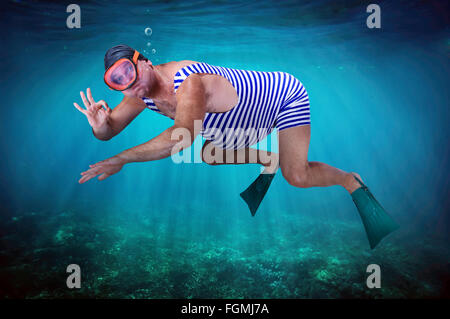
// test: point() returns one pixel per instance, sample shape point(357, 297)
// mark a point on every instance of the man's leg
point(254, 194)
point(299, 172)
point(242, 156)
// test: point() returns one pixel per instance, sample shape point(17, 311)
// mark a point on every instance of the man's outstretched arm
point(191, 106)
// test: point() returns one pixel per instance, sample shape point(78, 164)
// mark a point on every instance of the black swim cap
point(118, 52)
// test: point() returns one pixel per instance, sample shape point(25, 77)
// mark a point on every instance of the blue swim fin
point(377, 222)
point(255, 193)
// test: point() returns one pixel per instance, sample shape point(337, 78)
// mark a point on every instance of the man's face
point(144, 80)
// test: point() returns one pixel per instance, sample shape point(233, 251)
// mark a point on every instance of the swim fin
point(255, 193)
point(377, 222)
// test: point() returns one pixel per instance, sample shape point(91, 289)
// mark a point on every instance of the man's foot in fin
point(352, 183)
point(377, 222)
point(255, 193)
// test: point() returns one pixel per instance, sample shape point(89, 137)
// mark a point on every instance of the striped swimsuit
point(266, 100)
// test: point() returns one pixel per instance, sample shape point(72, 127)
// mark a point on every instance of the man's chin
point(140, 94)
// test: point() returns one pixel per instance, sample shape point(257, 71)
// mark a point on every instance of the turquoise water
point(379, 107)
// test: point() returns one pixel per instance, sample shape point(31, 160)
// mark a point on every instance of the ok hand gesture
point(97, 115)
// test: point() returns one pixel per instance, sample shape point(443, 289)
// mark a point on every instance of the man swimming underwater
point(237, 109)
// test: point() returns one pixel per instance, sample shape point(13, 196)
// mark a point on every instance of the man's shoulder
point(176, 65)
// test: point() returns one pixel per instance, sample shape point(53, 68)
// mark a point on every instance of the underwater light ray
point(159, 231)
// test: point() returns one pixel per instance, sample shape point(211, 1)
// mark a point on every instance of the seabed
point(133, 256)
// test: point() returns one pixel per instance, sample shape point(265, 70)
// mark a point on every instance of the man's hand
point(107, 168)
point(97, 115)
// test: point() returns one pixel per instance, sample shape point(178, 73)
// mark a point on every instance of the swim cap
point(118, 52)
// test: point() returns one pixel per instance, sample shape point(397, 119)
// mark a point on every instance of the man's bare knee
point(206, 160)
point(296, 176)
point(206, 157)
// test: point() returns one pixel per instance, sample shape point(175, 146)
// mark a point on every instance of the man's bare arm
point(191, 106)
point(119, 118)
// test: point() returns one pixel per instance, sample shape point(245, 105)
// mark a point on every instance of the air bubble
point(148, 32)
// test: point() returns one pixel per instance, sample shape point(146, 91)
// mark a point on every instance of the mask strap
point(135, 56)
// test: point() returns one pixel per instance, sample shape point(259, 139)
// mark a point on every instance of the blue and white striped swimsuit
point(266, 100)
